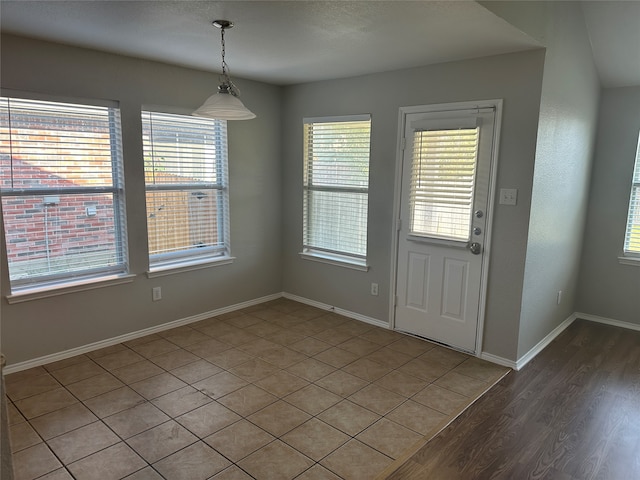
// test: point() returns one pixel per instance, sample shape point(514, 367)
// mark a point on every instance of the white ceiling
point(286, 42)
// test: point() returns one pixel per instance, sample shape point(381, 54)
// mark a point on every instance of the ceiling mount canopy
point(225, 104)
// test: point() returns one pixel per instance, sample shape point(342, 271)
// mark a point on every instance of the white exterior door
point(446, 176)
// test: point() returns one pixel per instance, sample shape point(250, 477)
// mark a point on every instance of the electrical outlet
point(559, 299)
point(374, 289)
point(156, 293)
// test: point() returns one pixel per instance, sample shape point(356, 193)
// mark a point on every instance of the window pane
point(340, 154)
point(61, 184)
point(442, 181)
point(337, 222)
point(632, 236)
point(56, 145)
point(183, 149)
point(336, 181)
point(60, 235)
point(186, 178)
point(182, 218)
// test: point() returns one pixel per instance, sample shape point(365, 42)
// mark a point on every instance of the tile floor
point(280, 390)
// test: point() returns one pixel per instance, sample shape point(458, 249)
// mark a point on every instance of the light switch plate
point(508, 196)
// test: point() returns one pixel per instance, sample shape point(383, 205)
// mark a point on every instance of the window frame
point(314, 252)
point(194, 258)
point(632, 256)
point(40, 286)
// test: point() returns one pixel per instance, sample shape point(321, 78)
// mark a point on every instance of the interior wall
point(564, 152)
point(40, 327)
point(517, 79)
point(608, 288)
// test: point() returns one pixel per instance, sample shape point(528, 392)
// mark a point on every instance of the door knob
point(475, 248)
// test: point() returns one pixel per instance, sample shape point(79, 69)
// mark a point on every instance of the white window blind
point(442, 183)
point(336, 186)
point(62, 191)
point(632, 235)
point(185, 161)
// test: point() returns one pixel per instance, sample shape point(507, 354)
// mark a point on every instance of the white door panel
point(418, 281)
point(454, 289)
point(444, 198)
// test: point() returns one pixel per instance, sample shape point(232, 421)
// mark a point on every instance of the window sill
point(634, 261)
point(336, 260)
point(187, 266)
point(36, 293)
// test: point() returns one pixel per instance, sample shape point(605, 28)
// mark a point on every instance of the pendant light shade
point(225, 104)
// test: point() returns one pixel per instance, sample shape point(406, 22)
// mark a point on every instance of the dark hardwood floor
point(572, 413)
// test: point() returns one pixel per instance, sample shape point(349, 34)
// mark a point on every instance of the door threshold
point(441, 344)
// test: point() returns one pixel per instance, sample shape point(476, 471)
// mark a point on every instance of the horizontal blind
point(62, 187)
point(442, 183)
point(186, 174)
point(336, 182)
point(68, 145)
point(632, 235)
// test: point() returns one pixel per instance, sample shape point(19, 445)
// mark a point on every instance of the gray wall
point(568, 117)
point(46, 326)
point(566, 135)
point(516, 78)
point(608, 288)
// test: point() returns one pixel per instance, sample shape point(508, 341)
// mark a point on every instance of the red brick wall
point(68, 227)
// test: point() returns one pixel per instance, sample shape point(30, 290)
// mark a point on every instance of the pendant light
point(225, 104)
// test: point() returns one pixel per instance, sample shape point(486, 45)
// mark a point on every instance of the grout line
point(354, 333)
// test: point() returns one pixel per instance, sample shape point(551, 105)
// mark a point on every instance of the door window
point(442, 183)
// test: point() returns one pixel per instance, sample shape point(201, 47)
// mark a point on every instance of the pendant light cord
point(224, 51)
point(226, 79)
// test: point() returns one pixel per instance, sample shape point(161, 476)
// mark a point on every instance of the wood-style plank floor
point(572, 413)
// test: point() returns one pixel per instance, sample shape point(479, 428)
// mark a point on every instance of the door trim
point(447, 108)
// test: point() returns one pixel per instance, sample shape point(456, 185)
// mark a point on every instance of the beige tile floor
point(276, 391)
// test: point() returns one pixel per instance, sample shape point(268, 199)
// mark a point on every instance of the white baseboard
point(36, 362)
point(498, 360)
point(522, 361)
point(530, 355)
point(339, 311)
point(607, 321)
point(527, 357)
